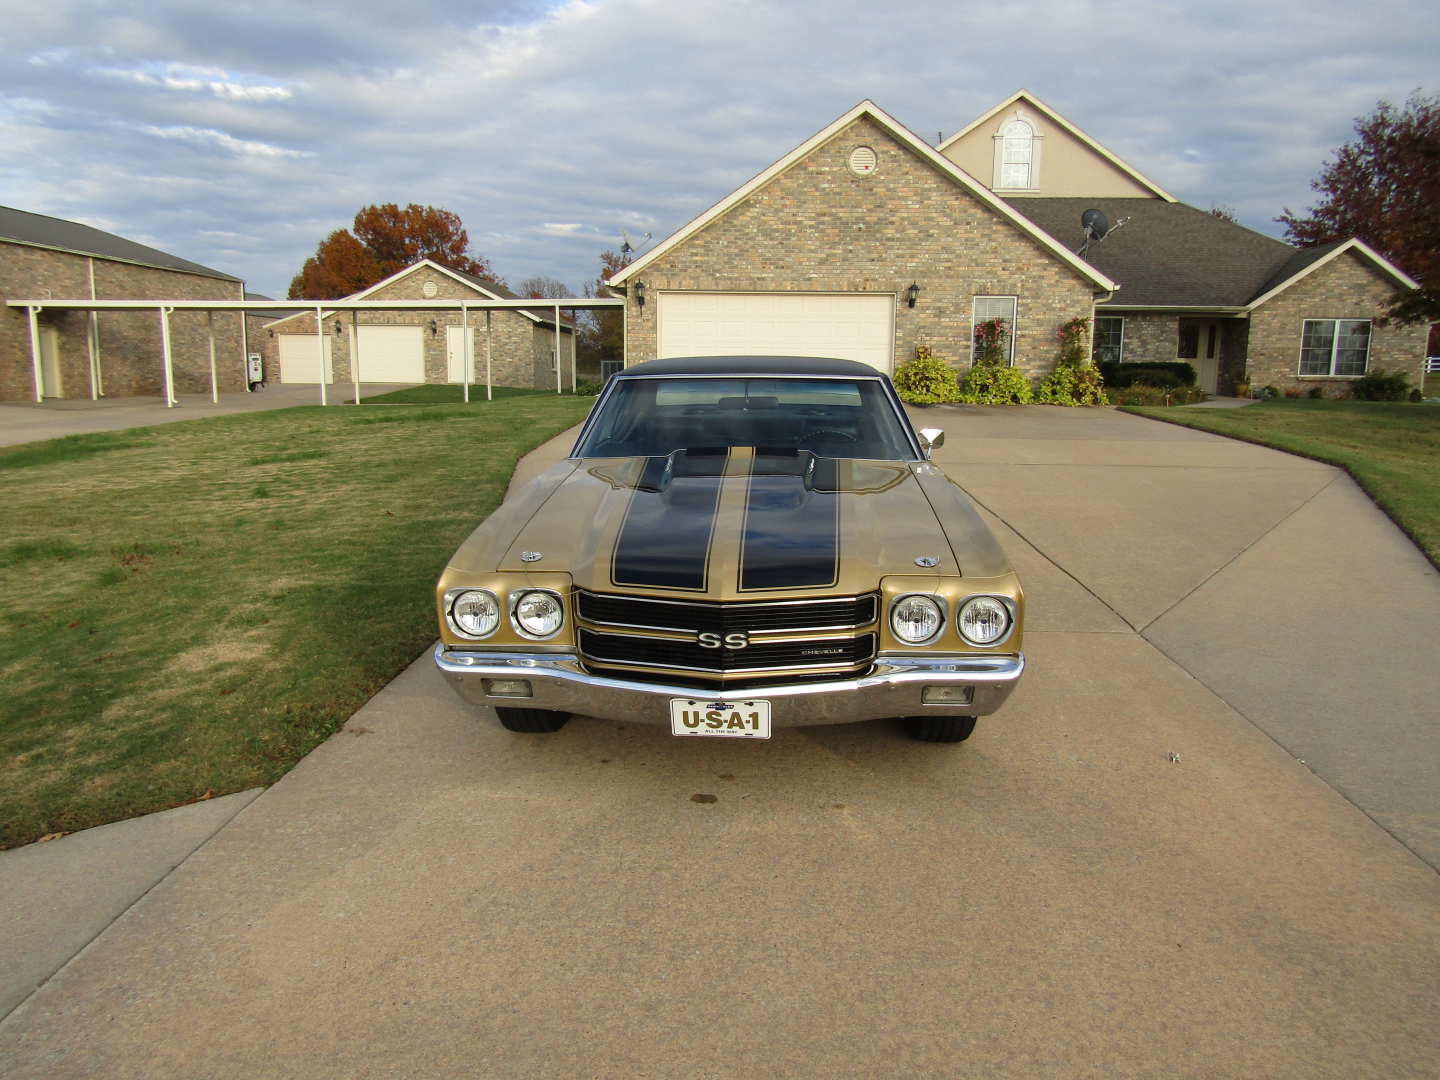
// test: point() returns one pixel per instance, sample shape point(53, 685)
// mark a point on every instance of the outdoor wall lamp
point(640, 293)
point(912, 294)
point(434, 327)
point(338, 328)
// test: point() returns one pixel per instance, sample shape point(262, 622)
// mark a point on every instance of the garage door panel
point(851, 326)
point(392, 354)
point(300, 358)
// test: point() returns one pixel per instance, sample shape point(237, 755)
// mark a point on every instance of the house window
point(1001, 308)
point(1335, 347)
point(1109, 339)
point(1017, 156)
point(1188, 347)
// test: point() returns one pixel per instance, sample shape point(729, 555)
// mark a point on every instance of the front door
point(1199, 345)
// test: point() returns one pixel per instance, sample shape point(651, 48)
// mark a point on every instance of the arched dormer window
point(1017, 156)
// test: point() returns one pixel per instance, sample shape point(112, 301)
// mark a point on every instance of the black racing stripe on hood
point(792, 522)
point(664, 541)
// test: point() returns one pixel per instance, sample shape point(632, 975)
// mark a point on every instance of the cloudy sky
point(239, 135)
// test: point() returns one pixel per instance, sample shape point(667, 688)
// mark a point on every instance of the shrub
point(587, 388)
point(991, 384)
point(1072, 386)
point(926, 380)
point(1315, 393)
point(1416, 395)
point(1140, 394)
point(1072, 336)
point(1125, 374)
point(1381, 385)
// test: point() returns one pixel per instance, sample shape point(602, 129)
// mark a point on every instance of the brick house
point(865, 242)
point(114, 353)
point(416, 346)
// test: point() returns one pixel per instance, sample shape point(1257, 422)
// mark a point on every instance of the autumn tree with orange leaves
point(383, 240)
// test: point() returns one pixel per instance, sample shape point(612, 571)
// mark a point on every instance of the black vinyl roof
point(814, 366)
point(1170, 254)
point(51, 232)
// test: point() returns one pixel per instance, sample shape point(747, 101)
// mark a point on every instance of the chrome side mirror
point(931, 438)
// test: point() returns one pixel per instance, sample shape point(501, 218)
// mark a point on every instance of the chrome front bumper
point(893, 688)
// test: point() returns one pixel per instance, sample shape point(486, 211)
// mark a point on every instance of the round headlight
point(916, 619)
point(984, 620)
point(475, 612)
point(538, 614)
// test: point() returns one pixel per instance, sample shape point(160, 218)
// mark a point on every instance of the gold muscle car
point(737, 544)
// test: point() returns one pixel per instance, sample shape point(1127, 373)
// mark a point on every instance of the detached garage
point(846, 326)
point(514, 347)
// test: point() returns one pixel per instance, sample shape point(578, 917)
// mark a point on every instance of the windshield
point(829, 417)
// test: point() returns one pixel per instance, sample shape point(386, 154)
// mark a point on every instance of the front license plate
point(725, 719)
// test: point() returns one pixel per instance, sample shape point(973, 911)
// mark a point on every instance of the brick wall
point(1349, 287)
point(516, 343)
point(129, 341)
point(818, 227)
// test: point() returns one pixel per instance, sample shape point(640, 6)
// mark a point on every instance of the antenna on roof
point(629, 245)
point(1097, 227)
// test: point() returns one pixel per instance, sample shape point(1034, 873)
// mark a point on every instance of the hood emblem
point(922, 560)
point(531, 556)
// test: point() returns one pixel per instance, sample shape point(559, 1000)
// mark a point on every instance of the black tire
point(939, 728)
point(531, 721)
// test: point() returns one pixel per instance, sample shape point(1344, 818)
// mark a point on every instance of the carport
point(165, 308)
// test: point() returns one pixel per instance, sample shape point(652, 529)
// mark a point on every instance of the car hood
point(735, 524)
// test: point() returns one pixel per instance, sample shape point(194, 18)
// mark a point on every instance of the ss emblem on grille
point(738, 640)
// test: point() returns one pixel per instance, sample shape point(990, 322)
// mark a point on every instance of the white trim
point(1353, 244)
point(1050, 114)
point(905, 137)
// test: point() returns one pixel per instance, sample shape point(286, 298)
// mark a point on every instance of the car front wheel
point(531, 721)
point(939, 728)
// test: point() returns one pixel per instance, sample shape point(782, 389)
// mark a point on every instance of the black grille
point(624, 649)
point(717, 618)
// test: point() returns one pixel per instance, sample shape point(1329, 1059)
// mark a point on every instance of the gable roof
point(906, 138)
point(1168, 254)
point(1307, 260)
point(57, 234)
point(492, 289)
point(1059, 121)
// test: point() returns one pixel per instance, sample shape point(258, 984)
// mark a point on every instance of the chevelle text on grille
point(737, 544)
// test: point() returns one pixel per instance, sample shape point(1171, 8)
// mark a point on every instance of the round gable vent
point(863, 161)
point(429, 289)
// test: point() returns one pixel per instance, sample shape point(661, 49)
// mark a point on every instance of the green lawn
point(1392, 450)
point(190, 608)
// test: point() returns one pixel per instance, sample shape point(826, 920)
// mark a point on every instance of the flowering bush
point(1072, 336)
point(926, 380)
point(1072, 386)
point(991, 384)
point(990, 342)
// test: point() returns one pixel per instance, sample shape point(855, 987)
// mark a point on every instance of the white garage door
point(392, 354)
point(850, 326)
point(300, 358)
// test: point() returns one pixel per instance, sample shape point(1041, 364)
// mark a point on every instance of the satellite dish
point(629, 244)
point(1095, 224)
point(1097, 227)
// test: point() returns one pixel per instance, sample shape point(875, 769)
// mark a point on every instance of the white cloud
point(211, 138)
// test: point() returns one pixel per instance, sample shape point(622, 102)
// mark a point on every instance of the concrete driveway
point(1128, 872)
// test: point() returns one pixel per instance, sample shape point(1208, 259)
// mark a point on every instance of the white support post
point(35, 353)
point(170, 401)
point(214, 376)
point(92, 347)
point(99, 356)
point(489, 382)
point(559, 378)
point(355, 352)
point(466, 359)
point(574, 371)
point(320, 344)
point(625, 334)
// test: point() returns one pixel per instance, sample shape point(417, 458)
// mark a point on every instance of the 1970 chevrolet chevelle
point(736, 544)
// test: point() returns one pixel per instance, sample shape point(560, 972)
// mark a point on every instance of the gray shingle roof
point(27, 228)
point(1170, 254)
